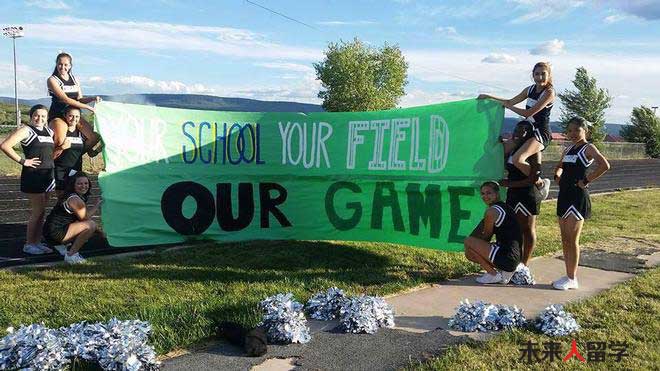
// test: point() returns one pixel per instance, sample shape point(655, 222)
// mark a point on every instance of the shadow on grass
point(264, 261)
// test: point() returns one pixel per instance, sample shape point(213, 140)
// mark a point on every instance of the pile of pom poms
point(555, 321)
point(284, 318)
point(114, 345)
point(482, 316)
point(522, 276)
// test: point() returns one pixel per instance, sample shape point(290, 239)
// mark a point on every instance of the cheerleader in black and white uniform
point(64, 89)
point(573, 203)
point(68, 157)
point(36, 139)
point(523, 198)
point(70, 220)
point(540, 99)
point(500, 258)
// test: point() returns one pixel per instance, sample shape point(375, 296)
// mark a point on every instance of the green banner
point(406, 176)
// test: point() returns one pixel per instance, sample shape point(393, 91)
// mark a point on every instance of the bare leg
point(91, 136)
point(36, 220)
point(571, 229)
point(530, 147)
point(528, 229)
point(79, 232)
point(477, 251)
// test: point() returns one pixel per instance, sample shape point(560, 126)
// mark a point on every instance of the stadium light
point(654, 108)
point(14, 32)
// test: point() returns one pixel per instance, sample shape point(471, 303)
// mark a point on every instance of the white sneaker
point(506, 276)
point(544, 191)
point(61, 249)
point(74, 259)
point(44, 248)
point(565, 283)
point(520, 266)
point(32, 249)
point(490, 278)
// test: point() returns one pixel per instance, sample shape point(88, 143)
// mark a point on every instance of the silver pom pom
point(116, 345)
point(33, 347)
point(325, 305)
point(554, 321)
point(284, 319)
point(523, 276)
point(365, 314)
point(482, 316)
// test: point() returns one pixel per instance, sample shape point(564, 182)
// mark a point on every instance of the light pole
point(15, 32)
point(654, 108)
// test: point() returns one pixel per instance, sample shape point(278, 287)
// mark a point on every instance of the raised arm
point(547, 97)
point(515, 100)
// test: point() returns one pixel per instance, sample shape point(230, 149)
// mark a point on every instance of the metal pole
point(18, 112)
point(654, 108)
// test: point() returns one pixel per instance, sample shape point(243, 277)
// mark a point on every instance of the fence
point(611, 150)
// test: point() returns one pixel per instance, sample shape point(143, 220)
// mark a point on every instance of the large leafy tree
point(356, 77)
point(588, 101)
point(644, 128)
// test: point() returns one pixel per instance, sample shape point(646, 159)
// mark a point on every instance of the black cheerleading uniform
point(573, 200)
point(58, 221)
point(70, 161)
point(505, 252)
point(39, 143)
point(70, 87)
point(540, 120)
point(523, 200)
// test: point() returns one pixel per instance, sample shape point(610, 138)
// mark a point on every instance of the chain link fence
point(611, 150)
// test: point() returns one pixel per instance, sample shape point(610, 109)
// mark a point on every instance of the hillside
point(208, 102)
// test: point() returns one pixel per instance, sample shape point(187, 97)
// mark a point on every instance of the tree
point(588, 101)
point(644, 128)
point(360, 78)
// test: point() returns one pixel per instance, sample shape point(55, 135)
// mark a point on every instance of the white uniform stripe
point(572, 211)
point(520, 208)
point(500, 218)
point(494, 248)
point(51, 186)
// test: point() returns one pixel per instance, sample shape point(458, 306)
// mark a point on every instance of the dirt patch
point(621, 254)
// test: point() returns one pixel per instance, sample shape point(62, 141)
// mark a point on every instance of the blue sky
point(455, 49)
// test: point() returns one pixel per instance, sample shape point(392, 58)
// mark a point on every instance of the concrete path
point(421, 325)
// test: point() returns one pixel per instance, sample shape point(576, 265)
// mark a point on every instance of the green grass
point(184, 292)
point(628, 312)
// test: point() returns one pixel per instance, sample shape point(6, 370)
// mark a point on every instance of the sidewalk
point(421, 328)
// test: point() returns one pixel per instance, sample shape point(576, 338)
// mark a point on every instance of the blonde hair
point(547, 66)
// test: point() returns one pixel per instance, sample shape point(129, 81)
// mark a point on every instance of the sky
point(236, 48)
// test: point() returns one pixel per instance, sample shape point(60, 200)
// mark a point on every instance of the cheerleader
point(68, 157)
point(37, 180)
point(540, 99)
point(70, 220)
point(573, 203)
point(500, 258)
point(64, 89)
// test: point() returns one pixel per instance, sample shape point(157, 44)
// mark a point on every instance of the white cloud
point(535, 10)
point(225, 41)
point(148, 85)
point(614, 18)
point(447, 31)
point(552, 47)
point(346, 23)
point(499, 58)
point(48, 4)
point(297, 67)
point(646, 9)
